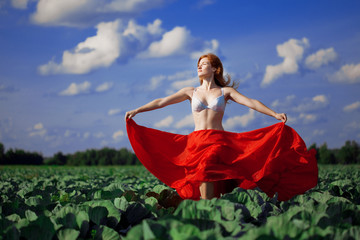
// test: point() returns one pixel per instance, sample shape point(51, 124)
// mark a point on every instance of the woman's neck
point(208, 83)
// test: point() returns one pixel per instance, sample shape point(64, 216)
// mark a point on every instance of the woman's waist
point(209, 126)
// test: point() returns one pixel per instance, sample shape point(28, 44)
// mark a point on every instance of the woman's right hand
point(130, 114)
point(281, 116)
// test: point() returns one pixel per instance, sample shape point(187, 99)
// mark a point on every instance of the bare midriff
point(208, 119)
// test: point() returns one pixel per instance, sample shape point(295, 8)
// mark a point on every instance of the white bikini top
point(217, 104)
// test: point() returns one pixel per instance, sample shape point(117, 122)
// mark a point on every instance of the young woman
point(211, 161)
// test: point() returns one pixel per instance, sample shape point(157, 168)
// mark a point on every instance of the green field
point(129, 203)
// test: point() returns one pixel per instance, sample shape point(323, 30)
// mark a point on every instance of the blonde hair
point(219, 78)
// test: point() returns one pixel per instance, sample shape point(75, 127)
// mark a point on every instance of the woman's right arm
point(255, 104)
point(180, 96)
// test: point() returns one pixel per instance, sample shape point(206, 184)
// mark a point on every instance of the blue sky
point(69, 70)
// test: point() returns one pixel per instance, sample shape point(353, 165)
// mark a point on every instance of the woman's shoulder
point(187, 89)
point(228, 89)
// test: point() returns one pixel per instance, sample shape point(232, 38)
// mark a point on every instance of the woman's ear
point(213, 69)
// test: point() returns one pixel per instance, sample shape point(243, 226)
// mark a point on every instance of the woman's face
point(204, 68)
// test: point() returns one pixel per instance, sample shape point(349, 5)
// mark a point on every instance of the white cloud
point(166, 122)
point(187, 121)
point(132, 5)
point(98, 51)
point(243, 120)
point(292, 51)
point(210, 47)
point(118, 135)
point(6, 128)
point(86, 135)
point(292, 104)
point(180, 75)
point(104, 143)
point(114, 41)
point(275, 103)
point(104, 87)
point(53, 12)
point(68, 133)
point(203, 3)
point(40, 133)
point(177, 85)
point(174, 42)
point(71, 133)
point(139, 37)
point(243, 78)
point(179, 41)
point(88, 12)
point(38, 130)
point(76, 89)
point(84, 88)
point(99, 135)
point(174, 82)
point(283, 103)
point(38, 126)
point(349, 73)
point(291, 119)
point(320, 58)
point(156, 81)
point(308, 118)
point(318, 132)
point(320, 99)
point(352, 107)
point(353, 126)
point(113, 112)
point(317, 102)
point(20, 4)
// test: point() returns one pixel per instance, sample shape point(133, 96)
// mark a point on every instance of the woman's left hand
point(130, 114)
point(281, 116)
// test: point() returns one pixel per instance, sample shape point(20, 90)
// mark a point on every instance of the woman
point(206, 161)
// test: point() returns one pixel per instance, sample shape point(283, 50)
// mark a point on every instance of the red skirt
point(273, 158)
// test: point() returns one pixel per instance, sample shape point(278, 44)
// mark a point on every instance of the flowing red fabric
point(273, 158)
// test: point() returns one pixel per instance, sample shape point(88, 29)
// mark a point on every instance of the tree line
point(347, 154)
point(90, 157)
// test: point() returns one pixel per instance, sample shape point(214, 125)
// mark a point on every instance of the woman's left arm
point(254, 104)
